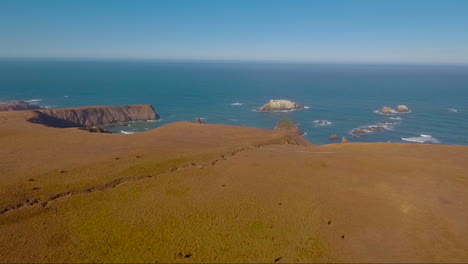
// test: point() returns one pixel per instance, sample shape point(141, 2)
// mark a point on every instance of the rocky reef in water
point(365, 130)
point(89, 116)
point(18, 106)
point(280, 105)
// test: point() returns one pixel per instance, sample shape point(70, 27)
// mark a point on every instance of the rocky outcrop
point(344, 140)
point(280, 105)
point(333, 137)
point(18, 106)
point(402, 109)
point(285, 125)
point(365, 130)
point(199, 121)
point(386, 110)
point(89, 116)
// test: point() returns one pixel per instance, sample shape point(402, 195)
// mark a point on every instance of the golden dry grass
point(214, 193)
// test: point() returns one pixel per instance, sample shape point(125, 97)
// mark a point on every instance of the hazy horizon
point(343, 32)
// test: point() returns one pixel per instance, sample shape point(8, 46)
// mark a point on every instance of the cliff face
point(93, 115)
point(18, 107)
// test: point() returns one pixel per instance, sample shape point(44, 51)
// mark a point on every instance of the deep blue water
point(346, 95)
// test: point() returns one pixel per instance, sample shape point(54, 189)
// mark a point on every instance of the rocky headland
point(285, 125)
point(280, 105)
point(18, 106)
point(89, 116)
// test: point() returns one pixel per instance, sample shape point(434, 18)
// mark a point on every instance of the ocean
point(345, 95)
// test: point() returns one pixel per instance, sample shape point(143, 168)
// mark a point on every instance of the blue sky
point(410, 31)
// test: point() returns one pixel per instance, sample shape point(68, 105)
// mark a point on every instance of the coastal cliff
point(18, 106)
point(89, 116)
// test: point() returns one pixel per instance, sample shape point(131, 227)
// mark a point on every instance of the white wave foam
point(66, 96)
point(33, 101)
point(304, 134)
point(306, 107)
point(395, 118)
point(422, 139)
point(322, 122)
point(127, 132)
point(276, 111)
point(49, 106)
point(452, 110)
point(237, 104)
point(152, 121)
point(202, 118)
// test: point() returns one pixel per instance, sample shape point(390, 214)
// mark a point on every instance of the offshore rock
point(280, 105)
point(402, 109)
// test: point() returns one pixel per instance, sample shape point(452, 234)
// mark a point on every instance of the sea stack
point(89, 116)
point(280, 105)
point(344, 140)
point(402, 109)
point(333, 137)
point(285, 125)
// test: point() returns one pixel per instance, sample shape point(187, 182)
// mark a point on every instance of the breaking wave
point(322, 122)
point(33, 101)
point(422, 139)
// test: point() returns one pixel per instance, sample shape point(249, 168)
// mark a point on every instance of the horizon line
point(230, 60)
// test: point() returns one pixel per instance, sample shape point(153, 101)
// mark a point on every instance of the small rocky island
point(388, 110)
point(280, 105)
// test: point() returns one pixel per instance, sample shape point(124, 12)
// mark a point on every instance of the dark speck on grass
point(278, 259)
point(329, 222)
point(342, 237)
point(31, 180)
point(188, 255)
point(117, 158)
point(36, 188)
point(63, 171)
point(138, 156)
point(223, 185)
point(280, 203)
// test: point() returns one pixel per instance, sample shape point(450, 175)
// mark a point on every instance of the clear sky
point(389, 31)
